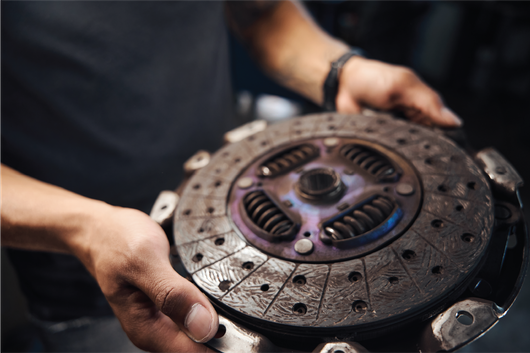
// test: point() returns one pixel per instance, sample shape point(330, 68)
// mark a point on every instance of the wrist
point(114, 235)
point(333, 78)
point(351, 67)
point(93, 219)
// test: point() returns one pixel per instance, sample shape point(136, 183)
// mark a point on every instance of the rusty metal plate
point(435, 244)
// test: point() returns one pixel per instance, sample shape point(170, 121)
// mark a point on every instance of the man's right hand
point(125, 251)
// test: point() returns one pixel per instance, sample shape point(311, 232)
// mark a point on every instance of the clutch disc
point(335, 226)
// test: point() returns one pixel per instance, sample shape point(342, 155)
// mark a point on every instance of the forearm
point(293, 49)
point(40, 216)
point(125, 251)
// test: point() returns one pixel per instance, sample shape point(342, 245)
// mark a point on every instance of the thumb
point(181, 301)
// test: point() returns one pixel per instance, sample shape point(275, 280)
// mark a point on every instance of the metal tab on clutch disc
point(335, 225)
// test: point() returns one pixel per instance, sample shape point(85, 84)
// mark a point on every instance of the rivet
point(245, 183)
point(404, 189)
point(304, 246)
point(265, 171)
point(331, 142)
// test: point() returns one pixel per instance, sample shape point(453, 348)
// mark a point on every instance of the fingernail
point(451, 117)
point(199, 322)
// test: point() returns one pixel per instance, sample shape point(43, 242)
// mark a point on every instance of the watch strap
point(331, 84)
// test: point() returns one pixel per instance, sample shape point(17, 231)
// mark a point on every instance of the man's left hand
point(371, 83)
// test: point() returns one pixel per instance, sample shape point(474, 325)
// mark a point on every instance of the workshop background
point(476, 54)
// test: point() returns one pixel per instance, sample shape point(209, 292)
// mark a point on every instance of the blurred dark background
point(476, 54)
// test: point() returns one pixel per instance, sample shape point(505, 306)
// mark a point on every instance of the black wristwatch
point(331, 85)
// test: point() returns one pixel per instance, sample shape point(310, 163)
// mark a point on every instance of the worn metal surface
point(459, 324)
point(237, 339)
point(197, 161)
point(164, 207)
point(355, 186)
point(435, 247)
point(337, 347)
point(499, 170)
point(245, 131)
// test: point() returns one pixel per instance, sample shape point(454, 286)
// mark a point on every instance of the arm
point(125, 251)
point(297, 53)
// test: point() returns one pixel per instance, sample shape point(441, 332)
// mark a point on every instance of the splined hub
point(319, 184)
point(334, 225)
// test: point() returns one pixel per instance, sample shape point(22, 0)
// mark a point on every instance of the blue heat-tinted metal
point(384, 228)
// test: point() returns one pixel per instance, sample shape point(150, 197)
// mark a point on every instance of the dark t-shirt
point(107, 99)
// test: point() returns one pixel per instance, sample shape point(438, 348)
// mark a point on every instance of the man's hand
point(297, 53)
point(125, 251)
point(370, 83)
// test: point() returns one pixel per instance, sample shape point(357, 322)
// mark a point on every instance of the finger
point(346, 104)
point(450, 118)
point(423, 105)
point(149, 329)
point(180, 300)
